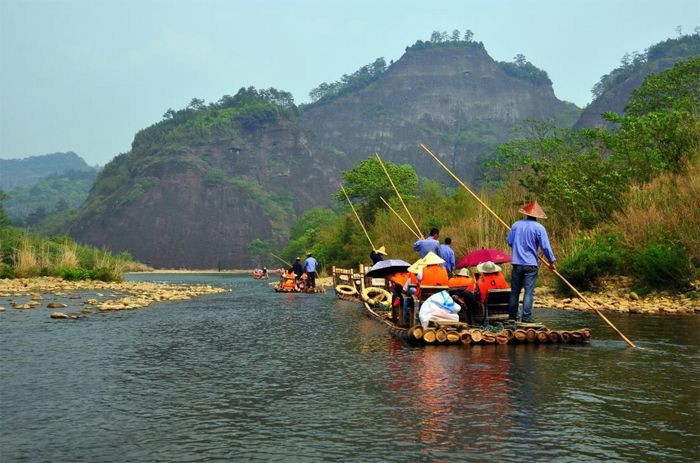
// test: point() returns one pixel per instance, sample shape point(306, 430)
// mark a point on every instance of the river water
point(252, 375)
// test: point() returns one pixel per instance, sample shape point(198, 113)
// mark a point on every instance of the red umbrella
point(482, 255)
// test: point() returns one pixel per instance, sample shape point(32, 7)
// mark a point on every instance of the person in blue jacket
point(429, 244)
point(310, 265)
point(526, 237)
point(446, 252)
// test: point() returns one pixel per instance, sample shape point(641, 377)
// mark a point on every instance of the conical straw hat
point(432, 259)
point(416, 266)
point(381, 251)
point(533, 210)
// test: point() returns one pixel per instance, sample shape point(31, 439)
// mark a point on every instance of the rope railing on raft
point(581, 296)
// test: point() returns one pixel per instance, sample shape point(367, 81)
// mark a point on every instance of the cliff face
point(456, 99)
point(200, 206)
point(197, 187)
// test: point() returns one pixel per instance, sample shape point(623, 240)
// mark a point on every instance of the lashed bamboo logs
point(451, 335)
point(416, 332)
point(429, 335)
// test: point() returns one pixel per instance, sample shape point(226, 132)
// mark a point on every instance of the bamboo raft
point(318, 290)
point(457, 333)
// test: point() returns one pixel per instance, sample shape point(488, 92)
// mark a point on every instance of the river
point(252, 375)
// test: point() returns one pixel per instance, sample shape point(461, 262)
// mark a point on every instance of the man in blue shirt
point(446, 252)
point(310, 265)
point(429, 244)
point(526, 237)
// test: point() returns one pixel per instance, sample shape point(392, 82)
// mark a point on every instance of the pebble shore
point(82, 298)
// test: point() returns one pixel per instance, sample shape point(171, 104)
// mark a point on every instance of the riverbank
point(77, 299)
point(617, 296)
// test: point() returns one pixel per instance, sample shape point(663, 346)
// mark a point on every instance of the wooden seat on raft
point(496, 305)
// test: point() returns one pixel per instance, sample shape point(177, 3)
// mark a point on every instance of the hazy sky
point(84, 76)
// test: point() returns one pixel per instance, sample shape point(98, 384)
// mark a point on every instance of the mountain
point(200, 185)
point(451, 96)
point(31, 170)
point(613, 90)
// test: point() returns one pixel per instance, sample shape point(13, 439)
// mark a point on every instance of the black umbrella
point(387, 267)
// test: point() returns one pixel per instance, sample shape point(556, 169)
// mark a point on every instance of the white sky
point(85, 75)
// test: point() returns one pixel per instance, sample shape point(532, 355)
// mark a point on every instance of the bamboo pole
point(399, 195)
point(358, 217)
point(399, 217)
point(275, 255)
point(584, 299)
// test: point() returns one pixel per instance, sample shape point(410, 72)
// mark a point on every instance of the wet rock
point(59, 315)
point(86, 311)
point(36, 297)
point(635, 310)
point(75, 296)
point(24, 306)
point(56, 305)
point(634, 296)
point(2, 309)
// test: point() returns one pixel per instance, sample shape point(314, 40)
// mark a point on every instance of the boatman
point(446, 252)
point(376, 255)
point(526, 237)
point(310, 265)
point(429, 244)
point(297, 267)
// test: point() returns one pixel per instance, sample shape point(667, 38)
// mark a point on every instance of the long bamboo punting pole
point(275, 255)
point(584, 299)
point(358, 217)
point(399, 195)
point(399, 217)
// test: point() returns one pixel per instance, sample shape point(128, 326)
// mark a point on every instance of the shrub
point(76, 274)
point(592, 258)
point(662, 264)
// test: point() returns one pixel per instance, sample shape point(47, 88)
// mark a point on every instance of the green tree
point(4, 220)
point(259, 251)
point(366, 182)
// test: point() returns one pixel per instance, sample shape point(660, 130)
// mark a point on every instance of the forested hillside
point(31, 170)
point(613, 90)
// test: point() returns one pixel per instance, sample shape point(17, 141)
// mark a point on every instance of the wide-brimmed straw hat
point(432, 259)
point(416, 266)
point(533, 210)
point(381, 251)
point(464, 272)
point(488, 267)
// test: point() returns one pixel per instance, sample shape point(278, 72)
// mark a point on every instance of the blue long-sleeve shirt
point(425, 246)
point(310, 264)
point(446, 252)
point(525, 237)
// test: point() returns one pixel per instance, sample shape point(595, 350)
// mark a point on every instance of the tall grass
point(25, 255)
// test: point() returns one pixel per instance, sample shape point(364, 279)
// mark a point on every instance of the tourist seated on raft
point(465, 291)
point(432, 272)
point(490, 277)
point(377, 255)
point(438, 307)
point(409, 290)
point(289, 280)
point(400, 283)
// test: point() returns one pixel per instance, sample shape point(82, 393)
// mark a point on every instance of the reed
point(26, 261)
point(68, 257)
